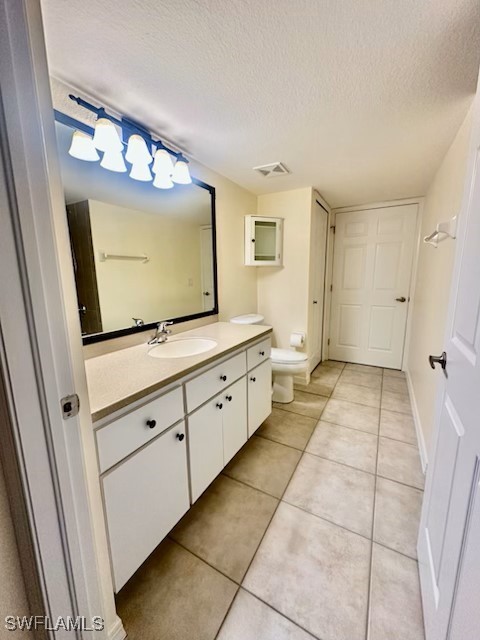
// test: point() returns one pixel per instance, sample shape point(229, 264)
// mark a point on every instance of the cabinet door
point(234, 419)
point(205, 444)
point(263, 241)
point(259, 396)
point(145, 497)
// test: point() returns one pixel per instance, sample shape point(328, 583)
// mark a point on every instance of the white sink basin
point(182, 347)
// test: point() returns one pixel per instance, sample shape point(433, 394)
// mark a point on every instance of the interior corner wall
point(283, 291)
point(434, 274)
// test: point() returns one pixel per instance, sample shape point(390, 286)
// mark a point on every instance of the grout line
point(345, 426)
point(344, 464)
point(404, 484)
point(400, 553)
point(180, 544)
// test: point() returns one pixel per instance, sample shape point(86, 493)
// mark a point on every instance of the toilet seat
point(287, 356)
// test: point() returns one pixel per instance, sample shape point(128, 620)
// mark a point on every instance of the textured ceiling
point(359, 98)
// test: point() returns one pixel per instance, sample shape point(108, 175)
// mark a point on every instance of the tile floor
point(310, 531)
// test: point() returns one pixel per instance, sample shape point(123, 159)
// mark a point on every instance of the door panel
point(448, 545)
point(259, 396)
point(371, 269)
point(234, 419)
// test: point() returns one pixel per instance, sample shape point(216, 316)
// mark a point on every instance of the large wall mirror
point(140, 254)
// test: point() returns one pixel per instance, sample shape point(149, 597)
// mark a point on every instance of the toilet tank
point(248, 318)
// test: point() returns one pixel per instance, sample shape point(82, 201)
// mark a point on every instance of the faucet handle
point(162, 326)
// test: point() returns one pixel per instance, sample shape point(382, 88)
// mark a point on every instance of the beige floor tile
point(288, 428)
point(363, 368)
point(397, 516)
point(395, 604)
point(225, 526)
point(251, 619)
point(327, 375)
point(370, 380)
point(355, 393)
point(306, 404)
point(264, 465)
point(316, 386)
point(395, 384)
point(334, 364)
point(174, 596)
point(350, 414)
point(393, 373)
point(347, 446)
point(398, 426)
point(313, 572)
point(335, 492)
point(400, 461)
point(396, 402)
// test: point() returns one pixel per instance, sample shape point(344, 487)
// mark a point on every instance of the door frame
point(413, 276)
point(48, 460)
point(325, 210)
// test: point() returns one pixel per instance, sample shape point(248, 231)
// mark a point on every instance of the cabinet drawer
point(258, 353)
point(144, 498)
point(208, 384)
point(123, 436)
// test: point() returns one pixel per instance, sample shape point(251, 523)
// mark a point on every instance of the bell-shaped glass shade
point(113, 161)
point(162, 181)
point(140, 171)
point(82, 147)
point(181, 174)
point(162, 163)
point(106, 136)
point(137, 151)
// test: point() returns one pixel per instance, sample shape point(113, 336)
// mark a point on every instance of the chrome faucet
point(161, 333)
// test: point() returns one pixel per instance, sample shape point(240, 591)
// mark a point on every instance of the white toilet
point(286, 363)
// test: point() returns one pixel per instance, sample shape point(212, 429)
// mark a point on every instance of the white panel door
point(206, 255)
point(145, 497)
point(449, 538)
point(371, 283)
point(319, 251)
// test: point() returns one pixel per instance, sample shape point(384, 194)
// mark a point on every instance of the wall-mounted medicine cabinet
point(263, 241)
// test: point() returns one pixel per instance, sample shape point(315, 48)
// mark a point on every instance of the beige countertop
point(117, 379)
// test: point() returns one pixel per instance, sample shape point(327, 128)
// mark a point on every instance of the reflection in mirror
point(140, 254)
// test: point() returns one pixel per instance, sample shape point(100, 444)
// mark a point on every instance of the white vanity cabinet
point(259, 395)
point(144, 497)
point(263, 241)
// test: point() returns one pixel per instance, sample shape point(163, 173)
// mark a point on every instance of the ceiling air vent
point(272, 170)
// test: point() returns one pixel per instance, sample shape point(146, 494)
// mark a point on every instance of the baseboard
point(116, 631)
point(418, 425)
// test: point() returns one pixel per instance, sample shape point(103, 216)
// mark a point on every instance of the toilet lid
point(287, 356)
point(248, 318)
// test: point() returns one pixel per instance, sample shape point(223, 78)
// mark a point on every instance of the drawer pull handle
point(229, 398)
point(262, 353)
point(253, 379)
point(151, 423)
point(180, 436)
point(219, 405)
point(224, 378)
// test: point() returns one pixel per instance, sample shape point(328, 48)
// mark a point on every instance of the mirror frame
point(62, 118)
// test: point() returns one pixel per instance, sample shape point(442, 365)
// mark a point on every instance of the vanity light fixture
point(82, 147)
point(138, 154)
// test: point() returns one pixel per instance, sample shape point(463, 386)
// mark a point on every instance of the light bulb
point(181, 174)
point(82, 147)
point(140, 171)
point(162, 181)
point(113, 161)
point(106, 136)
point(137, 150)
point(162, 163)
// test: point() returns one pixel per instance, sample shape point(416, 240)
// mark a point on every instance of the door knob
point(402, 299)
point(441, 360)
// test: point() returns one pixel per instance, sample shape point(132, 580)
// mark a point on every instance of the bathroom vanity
point(166, 427)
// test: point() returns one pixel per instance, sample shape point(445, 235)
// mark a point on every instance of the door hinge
point(328, 342)
point(331, 287)
point(70, 406)
point(333, 228)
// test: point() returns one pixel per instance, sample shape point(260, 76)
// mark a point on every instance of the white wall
point(283, 292)
point(434, 273)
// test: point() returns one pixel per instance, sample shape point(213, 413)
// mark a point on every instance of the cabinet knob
point(151, 423)
point(229, 398)
point(219, 405)
point(224, 378)
point(253, 379)
point(262, 353)
point(180, 436)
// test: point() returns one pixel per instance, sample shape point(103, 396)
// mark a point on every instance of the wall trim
point(422, 448)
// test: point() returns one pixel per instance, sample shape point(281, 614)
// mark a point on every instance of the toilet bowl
point(286, 363)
